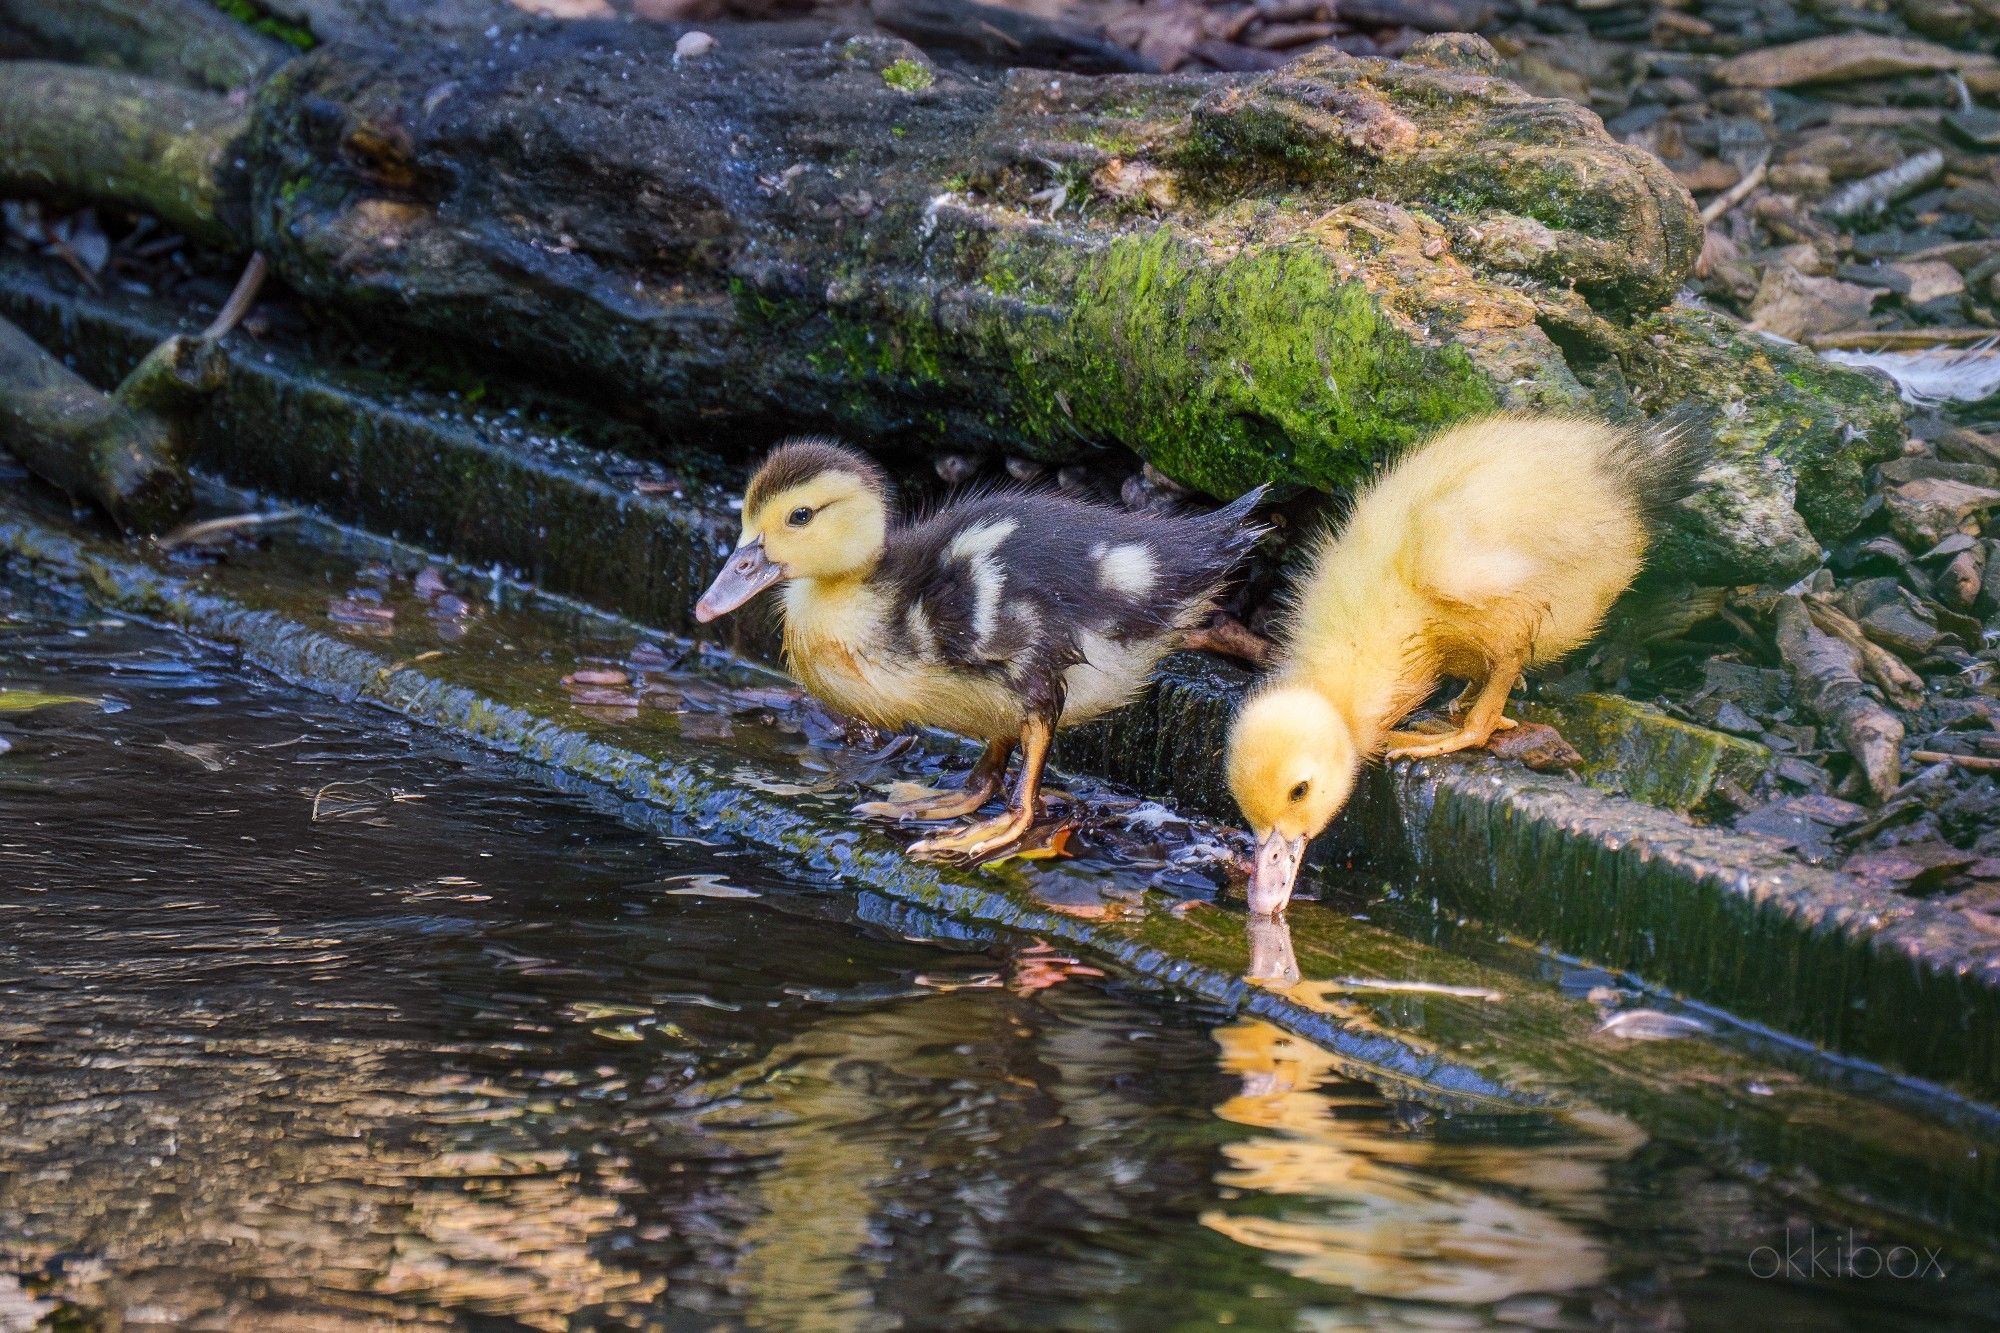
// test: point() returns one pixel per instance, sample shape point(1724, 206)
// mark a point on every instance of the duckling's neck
point(1366, 657)
point(844, 609)
point(827, 603)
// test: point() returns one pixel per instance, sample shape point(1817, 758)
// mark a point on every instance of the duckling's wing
point(968, 595)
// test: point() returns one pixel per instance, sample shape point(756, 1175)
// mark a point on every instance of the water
point(313, 1022)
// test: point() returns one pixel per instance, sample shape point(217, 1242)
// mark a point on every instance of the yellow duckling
point(1001, 617)
point(1496, 545)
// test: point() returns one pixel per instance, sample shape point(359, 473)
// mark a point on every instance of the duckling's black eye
point(801, 516)
point(1299, 792)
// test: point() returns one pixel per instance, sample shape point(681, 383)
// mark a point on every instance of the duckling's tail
point(1232, 525)
point(1660, 463)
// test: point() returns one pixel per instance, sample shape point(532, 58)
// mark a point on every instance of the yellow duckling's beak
point(1275, 871)
point(748, 573)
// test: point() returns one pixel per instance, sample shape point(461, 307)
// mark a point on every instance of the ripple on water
point(313, 1021)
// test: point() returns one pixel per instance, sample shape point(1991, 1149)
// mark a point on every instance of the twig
point(1893, 340)
point(189, 534)
point(1421, 988)
point(1872, 193)
point(239, 302)
point(1977, 763)
point(1736, 193)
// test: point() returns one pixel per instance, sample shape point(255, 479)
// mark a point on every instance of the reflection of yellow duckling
point(1390, 1214)
point(1001, 617)
point(1497, 545)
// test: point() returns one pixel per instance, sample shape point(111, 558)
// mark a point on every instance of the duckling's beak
point(748, 573)
point(1275, 871)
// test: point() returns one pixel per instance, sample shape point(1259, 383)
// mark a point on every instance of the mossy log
point(94, 134)
point(1241, 278)
point(122, 450)
point(92, 445)
point(188, 40)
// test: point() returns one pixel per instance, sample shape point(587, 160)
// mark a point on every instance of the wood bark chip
point(1826, 677)
point(1841, 59)
point(1797, 306)
point(1007, 37)
point(1926, 510)
point(1904, 687)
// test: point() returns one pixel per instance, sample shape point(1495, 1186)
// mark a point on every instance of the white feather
point(1934, 374)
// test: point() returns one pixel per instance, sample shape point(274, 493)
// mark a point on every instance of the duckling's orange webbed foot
point(980, 840)
point(1428, 745)
point(977, 790)
point(1458, 707)
point(976, 842)
point(1482, 719)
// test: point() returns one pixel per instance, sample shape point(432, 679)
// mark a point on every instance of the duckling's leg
point(987, 836)
point(1456, 709)
point(1480, 722)
point(975, 791)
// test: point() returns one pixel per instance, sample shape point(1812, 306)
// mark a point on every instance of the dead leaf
point(1537, 745)
point(578, 679)
point(1916, 868)
point(1795, 306)
point(1841, 59)
point(27, 701)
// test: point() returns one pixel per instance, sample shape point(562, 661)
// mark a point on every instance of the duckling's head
point(1292, 766)
point(815, 510)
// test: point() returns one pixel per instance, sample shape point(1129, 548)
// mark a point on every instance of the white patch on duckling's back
point(1127, 568)
point(921, 634)
point(980, 539)
point(975, 546)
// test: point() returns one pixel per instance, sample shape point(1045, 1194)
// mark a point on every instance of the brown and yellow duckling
point(1002, 617)
point(1496, 545)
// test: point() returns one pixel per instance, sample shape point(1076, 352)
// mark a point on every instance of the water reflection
point(1393, 1215)
point(482, 1057)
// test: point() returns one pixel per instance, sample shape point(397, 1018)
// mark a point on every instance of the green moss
point(1225, 373)
point(909, 75)
point(250, 15)
point(1828, 424)
point(1632, 748)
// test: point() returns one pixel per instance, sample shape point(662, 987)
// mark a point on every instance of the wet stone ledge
point(1718, 916)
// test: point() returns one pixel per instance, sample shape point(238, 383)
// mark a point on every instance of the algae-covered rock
point(1797, 436)
point(1242, 278)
